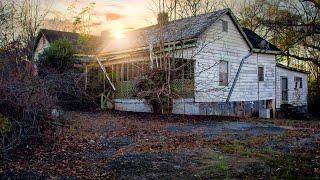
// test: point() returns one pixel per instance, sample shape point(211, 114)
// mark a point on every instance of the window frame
point(261, 78)
point(221, 83)
point(225, 26)
point(187, 72)
point(298, 79)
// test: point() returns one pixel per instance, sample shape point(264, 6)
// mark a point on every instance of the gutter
point(237, 75)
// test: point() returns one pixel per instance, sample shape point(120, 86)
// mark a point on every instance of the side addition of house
point(292, 87)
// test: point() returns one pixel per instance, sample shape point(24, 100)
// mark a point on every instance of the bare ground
point(118, 145)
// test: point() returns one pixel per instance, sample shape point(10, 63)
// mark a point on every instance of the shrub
point(25, 105)
point(56, 65)
point(59, 56)
point(155, 88)
point(5, 124)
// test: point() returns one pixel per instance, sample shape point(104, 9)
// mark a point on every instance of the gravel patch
point(212, 129)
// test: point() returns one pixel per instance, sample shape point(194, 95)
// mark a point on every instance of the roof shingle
point(255, 40)
point(182, 29)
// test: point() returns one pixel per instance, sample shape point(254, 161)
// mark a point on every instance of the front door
point(284, 90)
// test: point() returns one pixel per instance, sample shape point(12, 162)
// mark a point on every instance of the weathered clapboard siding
point(297, 97)
point(41, 46)
point(231, 46)
point(267, 87)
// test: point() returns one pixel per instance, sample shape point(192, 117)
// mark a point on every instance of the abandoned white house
point(229, 70)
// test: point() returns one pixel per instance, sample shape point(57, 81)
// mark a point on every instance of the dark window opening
point(261, 73)
point(129, 71)
point(225, 26)
point(183, 69)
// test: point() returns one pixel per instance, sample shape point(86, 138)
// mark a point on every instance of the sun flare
point(119, 34)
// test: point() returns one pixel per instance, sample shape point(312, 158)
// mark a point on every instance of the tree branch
point(307, 59)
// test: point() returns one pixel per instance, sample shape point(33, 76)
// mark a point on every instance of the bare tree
point(31, 16)
point(23, 20)
point(172, 57)
point(293, 25)
point(178, 9)
point(81, 19)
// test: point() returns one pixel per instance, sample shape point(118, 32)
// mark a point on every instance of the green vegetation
point(59, 56)
point(289, 165)
point(155, 88)
point(283, 164)
point(5, 124)
point(183, 87)
point(216, 165)
point(125, 89)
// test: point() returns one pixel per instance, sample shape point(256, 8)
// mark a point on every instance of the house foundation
point(190, 107)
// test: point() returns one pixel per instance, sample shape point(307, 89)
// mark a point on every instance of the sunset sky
point(113, 15)
point(116, 16)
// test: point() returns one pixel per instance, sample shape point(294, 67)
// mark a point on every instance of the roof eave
point(234, 19)
point(255, 50)
point(292, 69)
point(142, 48)
point(40, 34)
point(124, 51)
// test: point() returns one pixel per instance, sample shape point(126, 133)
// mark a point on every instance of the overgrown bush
point(59, 56)
point(25, 105)
point(27, 101)
point(28, 96)
point(56, 64)
point(155, 88)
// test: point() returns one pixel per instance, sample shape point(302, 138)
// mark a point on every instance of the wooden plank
point(106, 74)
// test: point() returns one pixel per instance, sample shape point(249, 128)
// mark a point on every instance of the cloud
point(113, 16)
point(95, 24)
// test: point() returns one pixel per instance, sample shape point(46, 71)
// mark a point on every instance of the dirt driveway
point(117, 145)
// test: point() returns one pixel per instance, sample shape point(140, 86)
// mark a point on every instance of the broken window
point(129, 71)
point(298, 82)
point(189, 70)
point(184, 68)
point(223, 73)
point(261, 73)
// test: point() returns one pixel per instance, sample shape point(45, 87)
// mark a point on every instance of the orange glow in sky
point(118, 33)
point(115, 16)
